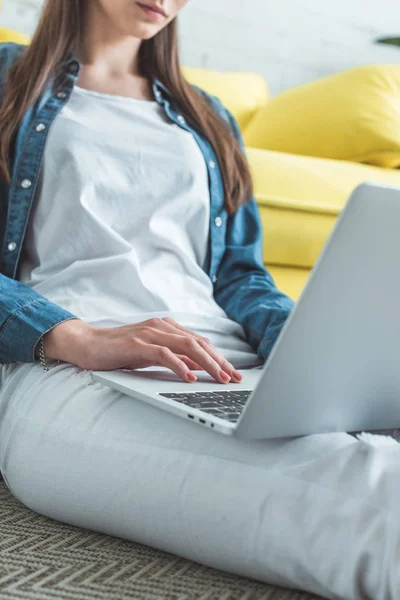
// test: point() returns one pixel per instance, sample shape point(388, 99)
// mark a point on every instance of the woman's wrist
point(68, 341)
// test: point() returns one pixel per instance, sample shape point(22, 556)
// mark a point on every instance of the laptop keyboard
point(226, 405)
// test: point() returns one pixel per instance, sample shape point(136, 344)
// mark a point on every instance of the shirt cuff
point(24, 328)
point(269, 340)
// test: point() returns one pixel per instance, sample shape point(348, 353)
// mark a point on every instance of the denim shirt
point(242, 285)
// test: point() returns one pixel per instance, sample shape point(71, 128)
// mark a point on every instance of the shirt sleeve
point(244, 288)
point(25, 316)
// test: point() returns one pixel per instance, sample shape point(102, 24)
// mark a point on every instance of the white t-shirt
point(119, 229)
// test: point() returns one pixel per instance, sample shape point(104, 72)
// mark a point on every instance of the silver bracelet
point(42, 357)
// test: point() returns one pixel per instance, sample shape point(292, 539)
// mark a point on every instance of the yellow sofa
point(7, 35)
point(300, 196)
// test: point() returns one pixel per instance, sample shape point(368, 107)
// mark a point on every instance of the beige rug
point(43, 559)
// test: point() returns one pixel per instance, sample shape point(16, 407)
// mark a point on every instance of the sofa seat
point(290, 280)
point(300, 198)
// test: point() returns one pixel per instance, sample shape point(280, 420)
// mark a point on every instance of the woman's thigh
point(319, 512)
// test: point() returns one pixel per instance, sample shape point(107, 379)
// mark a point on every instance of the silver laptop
point(336, 363)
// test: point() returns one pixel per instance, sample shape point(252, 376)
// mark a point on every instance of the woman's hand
point(161, 342)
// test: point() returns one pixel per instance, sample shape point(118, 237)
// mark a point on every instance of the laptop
point(336, 363)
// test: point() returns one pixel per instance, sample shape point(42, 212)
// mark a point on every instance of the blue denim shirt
point(242, 286)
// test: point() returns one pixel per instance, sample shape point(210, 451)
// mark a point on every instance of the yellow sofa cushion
point(299, 199)
point(242, 93)
point(7, 35)
point(289, 280)
point(352, 116)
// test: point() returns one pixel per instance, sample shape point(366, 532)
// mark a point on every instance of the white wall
point(288, 41)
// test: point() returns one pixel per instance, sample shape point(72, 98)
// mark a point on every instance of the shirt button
point(214, 279)
point(26, 184)
point(181, 119)
point(73, 68)
point(12, 246)
point(62, 95)
point(40, 127)
point(218, 221)
point(212, 164)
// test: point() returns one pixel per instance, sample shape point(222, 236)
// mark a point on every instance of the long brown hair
point(59, 33)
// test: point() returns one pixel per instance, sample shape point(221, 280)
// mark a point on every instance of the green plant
point(393, 41)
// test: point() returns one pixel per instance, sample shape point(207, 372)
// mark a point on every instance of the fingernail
point(224, 376)
point(237, 376)
point(191, 377)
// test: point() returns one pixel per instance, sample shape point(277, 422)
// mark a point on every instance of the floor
point(42, 559)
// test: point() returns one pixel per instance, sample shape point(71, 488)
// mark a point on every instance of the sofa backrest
point(7, 35)
point(242, 93)
point(353, 115)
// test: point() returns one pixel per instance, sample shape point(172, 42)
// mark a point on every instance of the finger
point(176, 325)
point(190, 347)
point(159, 332)
point(190, 363)
point(152, 327)
point(163, 356)
point(226, 366)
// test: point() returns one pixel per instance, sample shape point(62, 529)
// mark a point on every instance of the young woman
point(130, 238)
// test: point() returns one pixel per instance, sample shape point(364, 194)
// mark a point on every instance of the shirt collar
point(160, 87)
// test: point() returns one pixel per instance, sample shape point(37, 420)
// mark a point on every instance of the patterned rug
point(43, 559)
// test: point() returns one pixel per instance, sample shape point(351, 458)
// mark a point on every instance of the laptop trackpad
point(161, 379)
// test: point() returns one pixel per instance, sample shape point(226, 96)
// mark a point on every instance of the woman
point(130, 238)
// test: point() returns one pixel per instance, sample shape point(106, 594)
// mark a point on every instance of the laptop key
point(231, 416)
point(214, 411)
point(199, 402)
point(185, 400)
point(192, 403)
point(224, 402)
